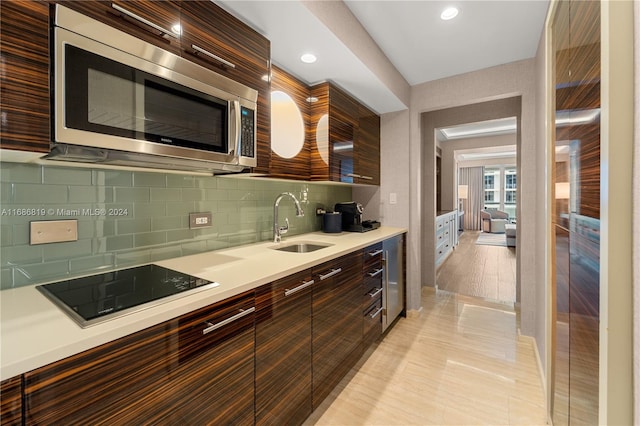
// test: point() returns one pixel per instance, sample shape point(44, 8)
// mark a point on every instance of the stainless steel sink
point(300, 247)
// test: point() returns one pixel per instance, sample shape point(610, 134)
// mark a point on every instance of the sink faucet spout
point(277, 229)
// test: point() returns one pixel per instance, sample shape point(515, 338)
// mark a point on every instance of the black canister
point(332, 222)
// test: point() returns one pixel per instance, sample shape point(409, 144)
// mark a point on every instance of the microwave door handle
point(236, 123)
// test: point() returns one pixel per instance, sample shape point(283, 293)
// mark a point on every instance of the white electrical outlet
point(393, 198)
point(199, 220)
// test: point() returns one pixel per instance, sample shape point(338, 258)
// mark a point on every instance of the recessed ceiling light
point(449, 13)
point(308, 58)
point(177, 29)
point(312, 99)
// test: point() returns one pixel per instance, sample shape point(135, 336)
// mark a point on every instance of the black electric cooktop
point(97, 298)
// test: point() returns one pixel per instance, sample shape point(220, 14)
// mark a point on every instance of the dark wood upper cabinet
point(283, 350)
point(290, 127)
point(24, 84)
point(368, 146)
point(176, 372)
point(155, 22)
point(219, 41)
point(346, 136)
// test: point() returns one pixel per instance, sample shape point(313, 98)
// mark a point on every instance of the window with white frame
point(500, 189)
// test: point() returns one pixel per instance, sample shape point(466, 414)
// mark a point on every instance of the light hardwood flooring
point(460, 362)
point(478, 270)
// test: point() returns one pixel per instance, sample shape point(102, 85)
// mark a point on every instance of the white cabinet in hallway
point(446, 235)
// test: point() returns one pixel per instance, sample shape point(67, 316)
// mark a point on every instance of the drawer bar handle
point(366, 177)
point(330, 274)
point(376, 313)
point(377, 272)
point(143, 20)
point(212, 327)
point(212, 56)
point(374, 253)
point(304, 285)
point(377, 292)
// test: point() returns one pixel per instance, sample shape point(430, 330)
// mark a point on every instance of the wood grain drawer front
point(373, 323)
point(169, 373)
point(283, 350)
point(373, 293)
point(11, 401)
point(24, 84)
point(337, 322)
point(372, 256)
point(150, 20)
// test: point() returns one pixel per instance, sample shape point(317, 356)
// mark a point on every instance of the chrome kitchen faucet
point(277, 229)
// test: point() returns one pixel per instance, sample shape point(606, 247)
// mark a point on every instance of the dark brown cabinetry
point(337, 322)
point(283, 350)
point(200, 31)
point(156, 22)
point(347, 138)
point(282, 85)
point(24, 85)
point(368, 146)
point(195, 369)
point(219, 41)
point(373, 273)
point(11, 401)
point(268, 356)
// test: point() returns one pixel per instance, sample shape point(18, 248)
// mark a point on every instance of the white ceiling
point(410, 33)
point(423, 47)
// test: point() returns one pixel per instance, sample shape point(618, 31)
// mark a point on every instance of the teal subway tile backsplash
point(129, 218)
point(66, 176)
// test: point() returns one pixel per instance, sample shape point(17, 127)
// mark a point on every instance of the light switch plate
point(393, 198)
point(199, 220)
point(53, 231)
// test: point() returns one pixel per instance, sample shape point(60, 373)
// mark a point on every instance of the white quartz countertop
point(35, 332)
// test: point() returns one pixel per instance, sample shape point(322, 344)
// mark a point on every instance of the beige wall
point(616, 284)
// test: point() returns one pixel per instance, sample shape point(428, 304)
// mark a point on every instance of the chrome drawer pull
point(376, 313)
point(330, 274)
point(377, 272)
point(304, 285)
point(212, 327)
point(366, 177)
point(374, 253)
point(143, 20)
point(377, 292)
point(353, 175)
point(212, 56)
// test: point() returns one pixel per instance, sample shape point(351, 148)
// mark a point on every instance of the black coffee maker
point(352, 217)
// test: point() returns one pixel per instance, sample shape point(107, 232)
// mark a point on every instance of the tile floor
point(460, 362)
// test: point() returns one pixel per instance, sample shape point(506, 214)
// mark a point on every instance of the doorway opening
point(486, 137)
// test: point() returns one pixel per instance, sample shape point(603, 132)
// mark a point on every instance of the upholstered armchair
point(493, 221)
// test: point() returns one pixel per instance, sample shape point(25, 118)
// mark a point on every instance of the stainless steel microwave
point(120, 100)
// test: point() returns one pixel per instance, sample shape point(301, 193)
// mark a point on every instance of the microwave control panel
point(247, 133)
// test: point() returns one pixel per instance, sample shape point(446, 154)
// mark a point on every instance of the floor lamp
point(463, 194)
